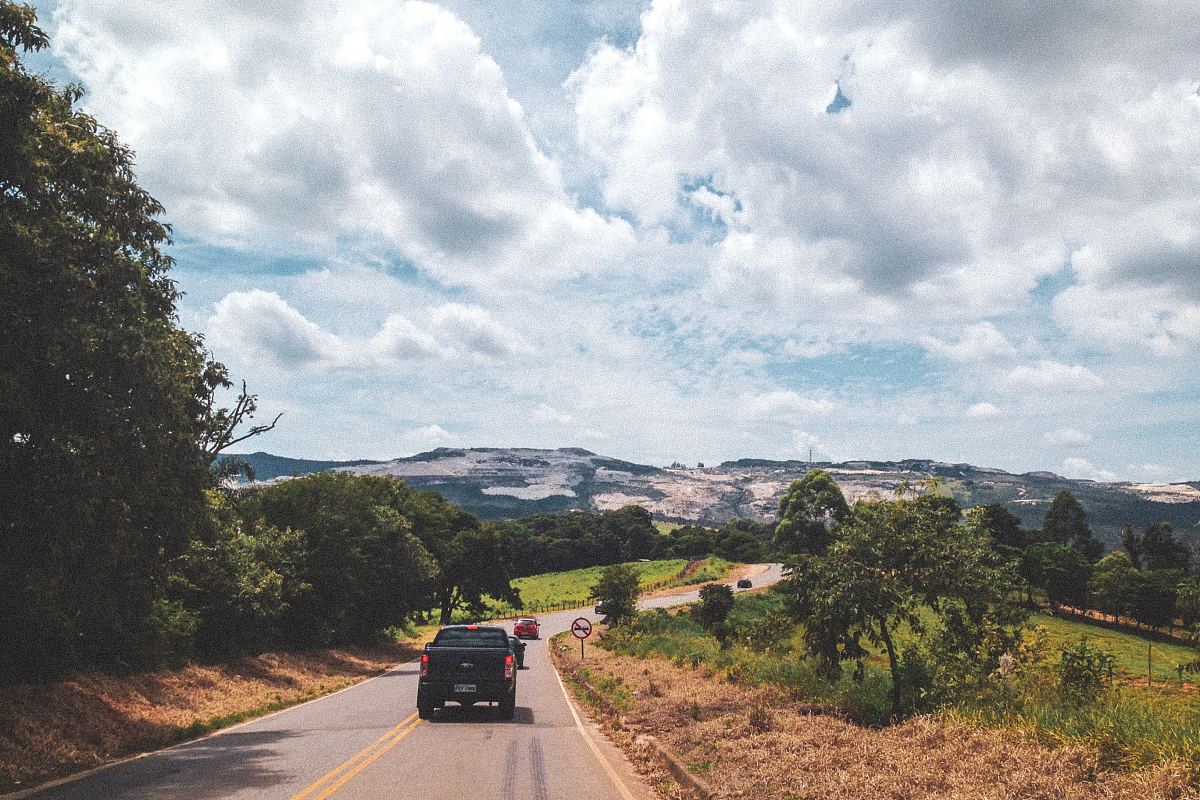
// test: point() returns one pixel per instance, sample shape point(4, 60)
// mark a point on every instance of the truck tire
point(508, 707)
point(425, 712)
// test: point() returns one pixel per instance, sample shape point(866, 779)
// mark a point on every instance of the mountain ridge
point(497, 483)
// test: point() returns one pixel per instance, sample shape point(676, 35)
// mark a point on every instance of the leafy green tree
point(1059, 569)
point(473, 565)
point(101, 392)
point(1187, 602)
point(808, 512)
point(1131, 543)
point(1114, 583)
point(239, 583)
point(1066, 523)
point(689, 541)
point(1156, 548)
point(1154, 597)
point(890, 561)
point(716, 601)
point(742, 540)
point(617, 590)
point(1003, 526)
point(366, 567)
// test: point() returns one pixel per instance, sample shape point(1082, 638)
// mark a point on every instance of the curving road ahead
point(366, 743)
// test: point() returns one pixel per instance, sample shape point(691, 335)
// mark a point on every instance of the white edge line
point(20, 794)
point(612, 773)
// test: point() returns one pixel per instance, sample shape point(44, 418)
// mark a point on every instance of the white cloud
point(401, 340)
point(471, 329)
point(784, 404)
point(262, 325)
point(547, 414)
point(979, 342)
point(1153, 471)
point(804, 442)
point(982, 411)
point(429, 436)
point(1047, 375)
point(265, 328)
point(309, 125)
point(1083, 469)
point(1068, 437)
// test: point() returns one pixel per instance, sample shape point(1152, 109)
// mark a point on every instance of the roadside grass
point(1128, 726)
point(573, 587)
point(54, 729)
point(756, 741)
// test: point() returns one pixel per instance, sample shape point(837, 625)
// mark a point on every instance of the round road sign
point(582, 628)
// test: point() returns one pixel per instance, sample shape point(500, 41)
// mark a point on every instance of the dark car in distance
point(744, 583)
point(518, 648)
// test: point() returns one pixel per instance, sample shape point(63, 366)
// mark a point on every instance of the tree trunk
point(893, 665)
point(448, 600)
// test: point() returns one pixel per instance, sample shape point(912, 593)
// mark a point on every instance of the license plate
point(464, 687)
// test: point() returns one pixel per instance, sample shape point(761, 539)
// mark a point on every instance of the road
point(366, 743)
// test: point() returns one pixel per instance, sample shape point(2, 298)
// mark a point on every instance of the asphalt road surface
point(366, 743)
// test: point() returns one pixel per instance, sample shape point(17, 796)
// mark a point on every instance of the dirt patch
point(51, 730)
point(746, 742)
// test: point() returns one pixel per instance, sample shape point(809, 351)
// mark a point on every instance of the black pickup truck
point(468, 664)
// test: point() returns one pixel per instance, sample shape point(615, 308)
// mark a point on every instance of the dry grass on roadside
point(54, 729)
point(751, 743)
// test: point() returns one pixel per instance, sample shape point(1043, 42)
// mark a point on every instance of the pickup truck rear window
point(465, 637)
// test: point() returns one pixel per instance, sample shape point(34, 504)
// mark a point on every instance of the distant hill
point(268, 467)
point(496, 483)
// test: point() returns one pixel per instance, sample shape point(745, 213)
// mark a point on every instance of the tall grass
point(1129, 725)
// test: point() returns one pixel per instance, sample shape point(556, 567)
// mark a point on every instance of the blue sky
point(680, 230)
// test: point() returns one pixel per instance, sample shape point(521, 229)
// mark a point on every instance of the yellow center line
point(361, 754)
point(340, 782)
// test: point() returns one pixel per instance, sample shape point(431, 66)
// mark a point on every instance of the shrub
point(1083, 670)
point(716, 601)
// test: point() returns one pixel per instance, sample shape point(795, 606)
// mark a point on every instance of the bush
point(1083, 671)
point(716, 601)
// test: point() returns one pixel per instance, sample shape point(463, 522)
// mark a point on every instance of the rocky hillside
point(506, 482)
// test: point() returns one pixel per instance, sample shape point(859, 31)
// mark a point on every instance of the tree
point(740, 540)
point(101, 391)
point(891, 560)
point(617, 591)
point(1131, 543)
point(239, 582)
point(1187, 602)
point(1066, 523)
point(1061, 570)
point(716, 601)
point(366, 567)
point(1002, 525)
point(1154, 597)
point(1114, 583)
point(808, 512)
point(221, 425)
point(1157, 548)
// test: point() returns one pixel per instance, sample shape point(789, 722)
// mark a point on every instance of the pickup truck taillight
point(509, 667)
point(424, 666)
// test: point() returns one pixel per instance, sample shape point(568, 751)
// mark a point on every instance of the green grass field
point(575, 586)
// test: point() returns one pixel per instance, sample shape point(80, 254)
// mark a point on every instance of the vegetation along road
point(366, 742)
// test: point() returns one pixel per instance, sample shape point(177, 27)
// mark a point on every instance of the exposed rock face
point(507, 482)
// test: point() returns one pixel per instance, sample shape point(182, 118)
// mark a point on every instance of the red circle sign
point(582, 628)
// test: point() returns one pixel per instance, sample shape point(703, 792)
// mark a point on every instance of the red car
point(526, 628)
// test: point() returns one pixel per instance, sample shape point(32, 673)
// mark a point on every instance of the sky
point(680, 230)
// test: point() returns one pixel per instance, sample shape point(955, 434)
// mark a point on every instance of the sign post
point(581, 628)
